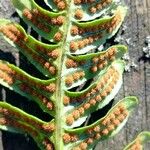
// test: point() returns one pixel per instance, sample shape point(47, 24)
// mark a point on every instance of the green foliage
point(75, 29)
point(140, 140)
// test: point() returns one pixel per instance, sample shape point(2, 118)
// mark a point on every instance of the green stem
point(60, 91)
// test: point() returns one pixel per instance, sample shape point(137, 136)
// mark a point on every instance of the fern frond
point(75, 30)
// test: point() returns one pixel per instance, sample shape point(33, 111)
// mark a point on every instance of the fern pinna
point(75, 29)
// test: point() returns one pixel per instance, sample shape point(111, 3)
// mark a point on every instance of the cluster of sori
point(102, 60)
point(70, 138)
point(20, 39)
point(13, 33)
point(52, 54)
point(31, 15)
point(93, 96)
point(48, 145)
point(61, 4)
point(44, 22)
point(137, 145)
point(78, 2)
point(14, 77)
point(79, 44)
point(100, 130)
point(19, 125)
point(109, 24)
point(79, 14)
point(98, 62)
point(94, 32)
point(71, 63)
point(70, 79)
point(110, 123)
point(95, 7)
point(12, 117)
point(100, 5)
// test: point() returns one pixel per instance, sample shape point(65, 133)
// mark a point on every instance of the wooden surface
point(136, 82)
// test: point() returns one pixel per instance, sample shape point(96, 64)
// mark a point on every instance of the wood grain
point(136, 82)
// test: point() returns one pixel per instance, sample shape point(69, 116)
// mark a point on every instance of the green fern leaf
point(140, 140)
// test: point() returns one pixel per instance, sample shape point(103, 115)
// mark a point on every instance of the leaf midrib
point(59, 122)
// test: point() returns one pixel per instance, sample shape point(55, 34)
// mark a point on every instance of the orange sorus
point(70, 63)
point(106, 121)
point(79, 14)
point(116, 122)
point(34, 93)
point(114, 23)
point(70, 120)
point(46, 64)
point(75, 45)
point(111, 127)
point(81, 110)
point(115, 118)
point(136, 145)
point(74, 30)
point(93, 10)
point(48, 144)
point(7, 78)
point(66, 138)
point(76, 114)
point(50, 88)
point(87, 106)
point(22, 126)
point(19, 116)
point(74, 138)
point(4, 121)
point(94, 69)
point(60, 4)
point(54, 21)
point(83, 146)
point(13, 33)
point(98, 98)
point(48, 127)
point(6, 68)
point(96, 129)
point(77, 2)
point(54, 54)
point(31, 16)
point(92, 102)
point(78, 75)
point(58, 36)
point(105, 132)
point(4, 111)
point(101, 62)
point(103, 94)
point(95, 60)
point(99, 6)
point(89, 141)
point(97, 136)
point(57, 20)
point(69, 80)
point(66, 100)
point(27, 13)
